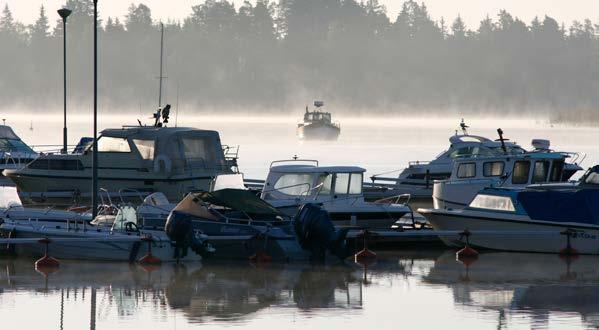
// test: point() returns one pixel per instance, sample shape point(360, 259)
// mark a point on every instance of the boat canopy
point(235, 199)
point(182, 147)
point(6, 132)
point(316, 169)
point(568, 205)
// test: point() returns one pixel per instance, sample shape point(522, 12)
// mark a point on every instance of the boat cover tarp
point(580, 206)
point(239, 200)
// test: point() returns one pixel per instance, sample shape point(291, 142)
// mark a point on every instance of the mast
point(95, 141)
point(161, 54)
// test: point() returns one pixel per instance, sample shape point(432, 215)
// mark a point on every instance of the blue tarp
point(562, 205)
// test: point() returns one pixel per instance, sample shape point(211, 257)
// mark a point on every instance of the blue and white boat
point(539, 218)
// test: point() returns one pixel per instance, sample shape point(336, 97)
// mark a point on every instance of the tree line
point(279, 55)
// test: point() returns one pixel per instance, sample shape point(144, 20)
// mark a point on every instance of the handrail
point(294, 160)
point(291, 186)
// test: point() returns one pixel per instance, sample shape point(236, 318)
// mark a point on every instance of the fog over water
point(378, 144)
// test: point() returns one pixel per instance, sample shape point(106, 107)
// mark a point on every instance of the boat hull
point(66, 186)
point(546, 237)
point(110, 250)
point(318, 131)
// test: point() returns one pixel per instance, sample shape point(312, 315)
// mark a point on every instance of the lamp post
point(95, 143)
point(64, 13)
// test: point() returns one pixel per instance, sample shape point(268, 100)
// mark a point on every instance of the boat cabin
point(523, 169)
point(155, 149)
point(311, 181)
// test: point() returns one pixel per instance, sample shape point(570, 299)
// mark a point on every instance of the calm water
point(402, 290)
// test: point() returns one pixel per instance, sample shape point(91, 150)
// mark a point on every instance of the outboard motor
point(316, 233)
point(179, 229)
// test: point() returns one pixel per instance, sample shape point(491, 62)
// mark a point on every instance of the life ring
point(165, 160)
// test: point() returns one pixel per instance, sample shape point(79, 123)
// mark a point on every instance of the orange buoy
point(46, 261)
point(260, 257)
point(568, 250)
point(149, 259)
point(365, 255)
point(466, 255)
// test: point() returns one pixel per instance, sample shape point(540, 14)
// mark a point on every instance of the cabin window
point(294, 184)
point(493, 168)
point(325, 181)
point(39, 164)
point(355, 184)
point(112, 144)
point(557, 171)
point(145, 148)
point(198, 150)
point(14, 145)
point(341, 183)
point(540, 172)
point(56, 164)
point(497, 203)
point(521, 171)
point(470, 151)
point(467, 170)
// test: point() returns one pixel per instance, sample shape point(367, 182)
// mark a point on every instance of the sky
point(472, 11)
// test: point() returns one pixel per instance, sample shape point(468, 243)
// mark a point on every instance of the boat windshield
point(466, 152)
point(491, 202)
point(14, 145)
point(295, 184)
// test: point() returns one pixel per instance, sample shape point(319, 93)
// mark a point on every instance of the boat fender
point(179, 229)
point(166, 163)
point(316, 233)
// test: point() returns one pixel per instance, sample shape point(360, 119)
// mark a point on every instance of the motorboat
point(147, 159)
point(240, 225)
point(541, 218)
point(108, 237)
point(417, 179)
point(317, 125)
point(471, 175)
point(14, 153)
point(292, 183)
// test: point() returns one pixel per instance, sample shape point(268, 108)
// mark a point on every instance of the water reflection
point(498, 290)
point(543, 287)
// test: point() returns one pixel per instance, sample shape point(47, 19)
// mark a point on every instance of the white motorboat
point(317, 125)
point(106, 238)
point(292, 183)
point(543, 218)
point(417, 179)
point(14, 153)
point(471, 175)
point(171, 160)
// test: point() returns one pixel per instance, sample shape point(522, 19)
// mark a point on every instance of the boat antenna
point(464, 127)
point(502, 140)
point(160, 77)
point(177, 106)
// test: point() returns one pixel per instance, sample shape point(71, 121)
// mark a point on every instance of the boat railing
point(397, 199)
point(21, 160)
point(295, 161)
point(576, 157)
point(418, 162)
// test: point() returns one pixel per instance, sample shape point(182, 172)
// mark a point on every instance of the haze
point(470, 10)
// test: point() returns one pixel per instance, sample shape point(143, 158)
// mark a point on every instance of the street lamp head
point(64, 13)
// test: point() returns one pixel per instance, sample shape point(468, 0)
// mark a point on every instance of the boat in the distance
point(317, 125)
point(147, 159)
